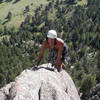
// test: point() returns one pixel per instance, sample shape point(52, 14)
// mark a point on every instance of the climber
point(58, 50)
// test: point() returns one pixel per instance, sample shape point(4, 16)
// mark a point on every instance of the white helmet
point(52, 34)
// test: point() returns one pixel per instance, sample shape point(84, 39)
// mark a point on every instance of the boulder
point(43, 83)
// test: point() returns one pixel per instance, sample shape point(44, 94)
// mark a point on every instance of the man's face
point(51, 42)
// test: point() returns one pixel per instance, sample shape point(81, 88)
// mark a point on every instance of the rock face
point(41, 84)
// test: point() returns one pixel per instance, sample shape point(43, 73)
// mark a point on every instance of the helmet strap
point(55, 42)
point(46, 38)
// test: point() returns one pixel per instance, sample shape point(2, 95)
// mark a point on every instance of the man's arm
point(41, 53)
point(58, 61)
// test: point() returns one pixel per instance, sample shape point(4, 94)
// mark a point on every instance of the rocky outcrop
point(45, 83)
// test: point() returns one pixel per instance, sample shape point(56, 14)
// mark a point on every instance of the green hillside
point(82, 2)
point(17, 10)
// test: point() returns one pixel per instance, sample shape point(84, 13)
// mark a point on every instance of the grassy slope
point(17, 10)
point(82, 2)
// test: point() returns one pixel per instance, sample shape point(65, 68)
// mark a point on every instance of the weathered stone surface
point(41, 84)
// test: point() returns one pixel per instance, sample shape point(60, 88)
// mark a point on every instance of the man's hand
point(58, 63)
